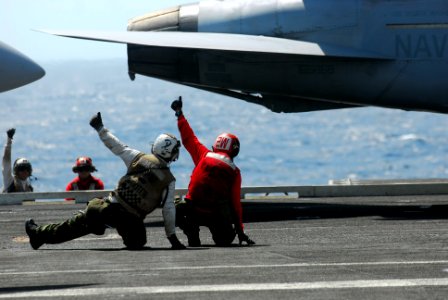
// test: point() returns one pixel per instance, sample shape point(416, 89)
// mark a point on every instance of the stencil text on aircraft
point(421, 46)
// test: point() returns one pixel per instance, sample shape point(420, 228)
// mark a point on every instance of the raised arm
point(126, 153)
point(6, 161)
point(196, 149)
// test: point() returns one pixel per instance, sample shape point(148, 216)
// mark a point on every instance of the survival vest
point(140, 190)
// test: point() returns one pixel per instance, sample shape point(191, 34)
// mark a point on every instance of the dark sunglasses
point(24, 168)
point(83, 169)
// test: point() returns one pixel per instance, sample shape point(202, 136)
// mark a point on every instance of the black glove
point(11, 132)
point(242, 237)
point(175, 244)
point(177, 106)
point(96, 122)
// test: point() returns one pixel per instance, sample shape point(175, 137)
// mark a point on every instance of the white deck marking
point(110, 291)
point(300, 265)
point(295, 265)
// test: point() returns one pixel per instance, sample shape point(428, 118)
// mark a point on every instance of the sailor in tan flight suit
point(148, 184)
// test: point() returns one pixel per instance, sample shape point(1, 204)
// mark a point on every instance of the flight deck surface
point(315, 248)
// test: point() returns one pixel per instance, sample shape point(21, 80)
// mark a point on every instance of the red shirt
point(214, 178)
point(90, 183)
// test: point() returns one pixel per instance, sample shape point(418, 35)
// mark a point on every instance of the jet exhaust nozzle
point(178, 18)
point(159, 62)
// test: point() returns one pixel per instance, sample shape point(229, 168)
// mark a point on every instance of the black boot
point(193, 239)
point(175, 243)
point(30, 228)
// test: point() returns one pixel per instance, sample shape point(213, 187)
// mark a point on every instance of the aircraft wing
point(222, 42)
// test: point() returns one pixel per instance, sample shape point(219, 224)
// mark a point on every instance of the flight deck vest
point(17, 187)
point(75, 186)
point(140, 190)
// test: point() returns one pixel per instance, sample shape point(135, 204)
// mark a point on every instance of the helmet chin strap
point(162, 158)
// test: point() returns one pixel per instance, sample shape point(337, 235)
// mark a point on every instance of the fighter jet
point(297, 55)
point(16, 69)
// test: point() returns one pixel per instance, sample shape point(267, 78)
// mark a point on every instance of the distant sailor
point(84, 181)
point(147, 184)
point(214, 193)
point(17, 178)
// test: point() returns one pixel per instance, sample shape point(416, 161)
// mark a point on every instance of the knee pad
point(95, 216)
point(134, 244)
point(223, 239)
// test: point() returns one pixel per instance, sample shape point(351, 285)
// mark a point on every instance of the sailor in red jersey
point(84, 181)
point(214, 193)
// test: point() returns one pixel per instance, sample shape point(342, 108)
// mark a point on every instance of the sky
point(20, 17)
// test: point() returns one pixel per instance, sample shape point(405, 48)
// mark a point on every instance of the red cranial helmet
point(83, 163)
point(227, 143)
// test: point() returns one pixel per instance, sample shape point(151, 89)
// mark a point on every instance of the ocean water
point(52, 121)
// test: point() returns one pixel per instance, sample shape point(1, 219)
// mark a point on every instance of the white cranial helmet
point(166, 146)
point(22, 164)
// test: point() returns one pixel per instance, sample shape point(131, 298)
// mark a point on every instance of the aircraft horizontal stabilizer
point(221, 42)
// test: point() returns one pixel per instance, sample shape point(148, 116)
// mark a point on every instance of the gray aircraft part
point(16, 69)
point(298, 55)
